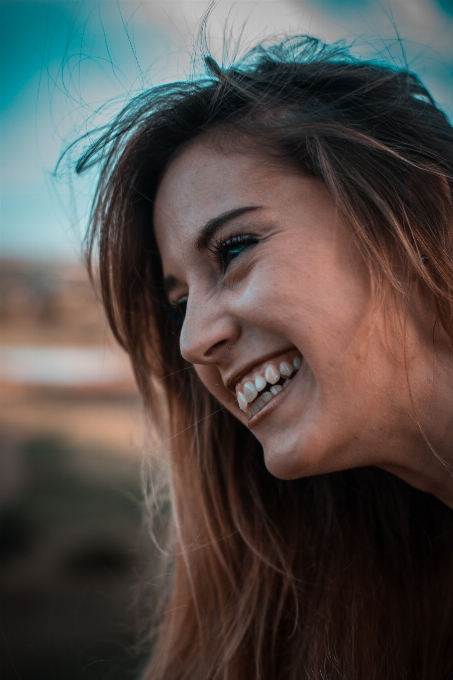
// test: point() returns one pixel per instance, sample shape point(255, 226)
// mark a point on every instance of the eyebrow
point(206, 234)
point(210, 228)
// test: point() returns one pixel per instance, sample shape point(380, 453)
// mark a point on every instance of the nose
point(208, 332)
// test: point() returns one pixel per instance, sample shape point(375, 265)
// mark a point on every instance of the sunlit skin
point(303, 286)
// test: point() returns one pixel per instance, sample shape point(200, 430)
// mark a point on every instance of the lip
point(274, 402)
point(233, 380)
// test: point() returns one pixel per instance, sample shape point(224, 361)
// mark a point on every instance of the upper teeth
point(260, 383)
point(286, 369)
point(272, 375)
point(242, 401)
point(250, 391)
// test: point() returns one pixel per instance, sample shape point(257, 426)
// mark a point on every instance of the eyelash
point(176, 311)
point(222, 247)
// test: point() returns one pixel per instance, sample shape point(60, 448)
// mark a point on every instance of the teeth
point(286, 369)
point(260, 402)
point(254, 409)
point(242, 401)
point(250, 391)
point(249, 400)
point(260, 383)
point(271, 374)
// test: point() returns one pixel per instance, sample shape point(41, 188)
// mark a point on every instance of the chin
point(305, 459)
point(291, 463)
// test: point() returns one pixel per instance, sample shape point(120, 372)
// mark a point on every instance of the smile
point(255, 392)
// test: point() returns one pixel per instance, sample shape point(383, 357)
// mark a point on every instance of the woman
point(275, 247)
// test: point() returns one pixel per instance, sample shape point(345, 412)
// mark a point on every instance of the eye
point(176, 311)
point(225, 251)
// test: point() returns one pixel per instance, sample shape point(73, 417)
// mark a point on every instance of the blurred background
point(75, 554)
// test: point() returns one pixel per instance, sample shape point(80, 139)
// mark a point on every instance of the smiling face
point(275, 293)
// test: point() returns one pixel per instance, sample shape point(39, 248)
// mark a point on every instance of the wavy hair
point(342, 576)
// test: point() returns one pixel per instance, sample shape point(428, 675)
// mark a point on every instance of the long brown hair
point(339, 576)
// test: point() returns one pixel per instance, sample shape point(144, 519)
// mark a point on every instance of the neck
point(428, 465)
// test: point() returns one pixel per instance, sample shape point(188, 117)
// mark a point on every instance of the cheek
point(275, 312)
point(317, 304)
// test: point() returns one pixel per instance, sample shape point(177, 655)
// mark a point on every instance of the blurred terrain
point(73, 548)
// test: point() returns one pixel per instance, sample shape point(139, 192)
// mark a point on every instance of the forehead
point(202, 183)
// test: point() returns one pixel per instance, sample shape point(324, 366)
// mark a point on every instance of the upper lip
point(232, 381)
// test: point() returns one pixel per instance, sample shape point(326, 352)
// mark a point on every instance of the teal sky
point(61, 60)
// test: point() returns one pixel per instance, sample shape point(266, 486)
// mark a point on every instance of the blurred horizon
point(71, 450)
point(67, 65)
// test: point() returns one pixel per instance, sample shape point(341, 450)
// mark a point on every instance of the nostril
point(207, 333)
point(214, 348)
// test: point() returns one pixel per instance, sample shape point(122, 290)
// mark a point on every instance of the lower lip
point(275, 401)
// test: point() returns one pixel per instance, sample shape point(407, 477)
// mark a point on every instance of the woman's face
point(270, 274)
